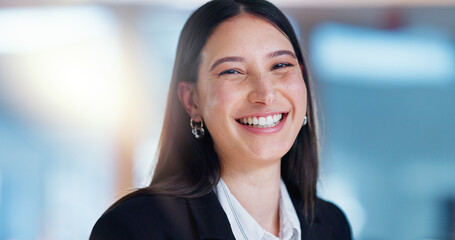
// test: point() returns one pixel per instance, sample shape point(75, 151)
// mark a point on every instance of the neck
point(258, 191)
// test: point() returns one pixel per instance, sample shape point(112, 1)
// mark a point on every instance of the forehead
point(245, 34)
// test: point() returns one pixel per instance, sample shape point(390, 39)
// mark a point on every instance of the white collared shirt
point(245, 227)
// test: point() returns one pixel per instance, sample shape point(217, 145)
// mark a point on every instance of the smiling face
point(250, 91)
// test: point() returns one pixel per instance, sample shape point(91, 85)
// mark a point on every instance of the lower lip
point(267, 130)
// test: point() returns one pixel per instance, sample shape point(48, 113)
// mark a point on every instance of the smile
point(268, 121)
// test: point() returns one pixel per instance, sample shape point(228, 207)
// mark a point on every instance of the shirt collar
point(243, 224)
point(289, 221)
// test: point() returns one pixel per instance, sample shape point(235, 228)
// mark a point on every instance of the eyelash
point(229, 71)
point(281, 65)
point(276, 66)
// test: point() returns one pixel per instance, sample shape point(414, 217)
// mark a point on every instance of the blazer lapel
point(316, 231)
point(211, 221)
point(312, 230)
point(209, 218)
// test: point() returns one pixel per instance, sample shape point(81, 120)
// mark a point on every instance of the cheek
point(294, 86)
point(219, 101)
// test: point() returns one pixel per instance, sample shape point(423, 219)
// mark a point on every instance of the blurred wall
point(82, 96)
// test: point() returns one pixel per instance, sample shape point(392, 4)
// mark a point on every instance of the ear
point(189, 98)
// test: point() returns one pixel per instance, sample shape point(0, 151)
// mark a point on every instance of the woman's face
point(250, 91)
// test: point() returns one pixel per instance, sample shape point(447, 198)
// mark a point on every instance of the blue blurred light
point(350, 54)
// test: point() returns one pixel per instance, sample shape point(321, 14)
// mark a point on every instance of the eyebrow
point(281, 52)
point(227, 59)
point(241, 59)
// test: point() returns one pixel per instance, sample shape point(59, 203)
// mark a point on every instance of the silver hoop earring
point(197, 129)
point(305, 120)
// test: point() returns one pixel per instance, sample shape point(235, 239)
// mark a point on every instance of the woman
point(246, 168)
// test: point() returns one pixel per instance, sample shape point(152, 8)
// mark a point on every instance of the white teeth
point(262, 122)
point(255, 121)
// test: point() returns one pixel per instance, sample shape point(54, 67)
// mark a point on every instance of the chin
point(268, 154)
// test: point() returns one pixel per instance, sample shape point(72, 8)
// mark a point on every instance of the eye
point(229, 71)
point(281, 65)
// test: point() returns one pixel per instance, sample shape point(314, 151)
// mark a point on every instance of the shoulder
point(330, 214)
point(144, 216)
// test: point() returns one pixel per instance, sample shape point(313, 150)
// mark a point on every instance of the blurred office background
point(82, 97)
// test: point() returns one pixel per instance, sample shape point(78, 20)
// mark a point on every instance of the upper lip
point(262, 114)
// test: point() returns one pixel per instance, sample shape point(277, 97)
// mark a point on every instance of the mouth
point(265, 121)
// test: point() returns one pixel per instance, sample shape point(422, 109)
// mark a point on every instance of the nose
point(262, 90)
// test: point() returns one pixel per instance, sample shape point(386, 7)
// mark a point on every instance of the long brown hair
point(189, 167)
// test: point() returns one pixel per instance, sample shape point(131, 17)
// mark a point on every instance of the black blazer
point(163, 217)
